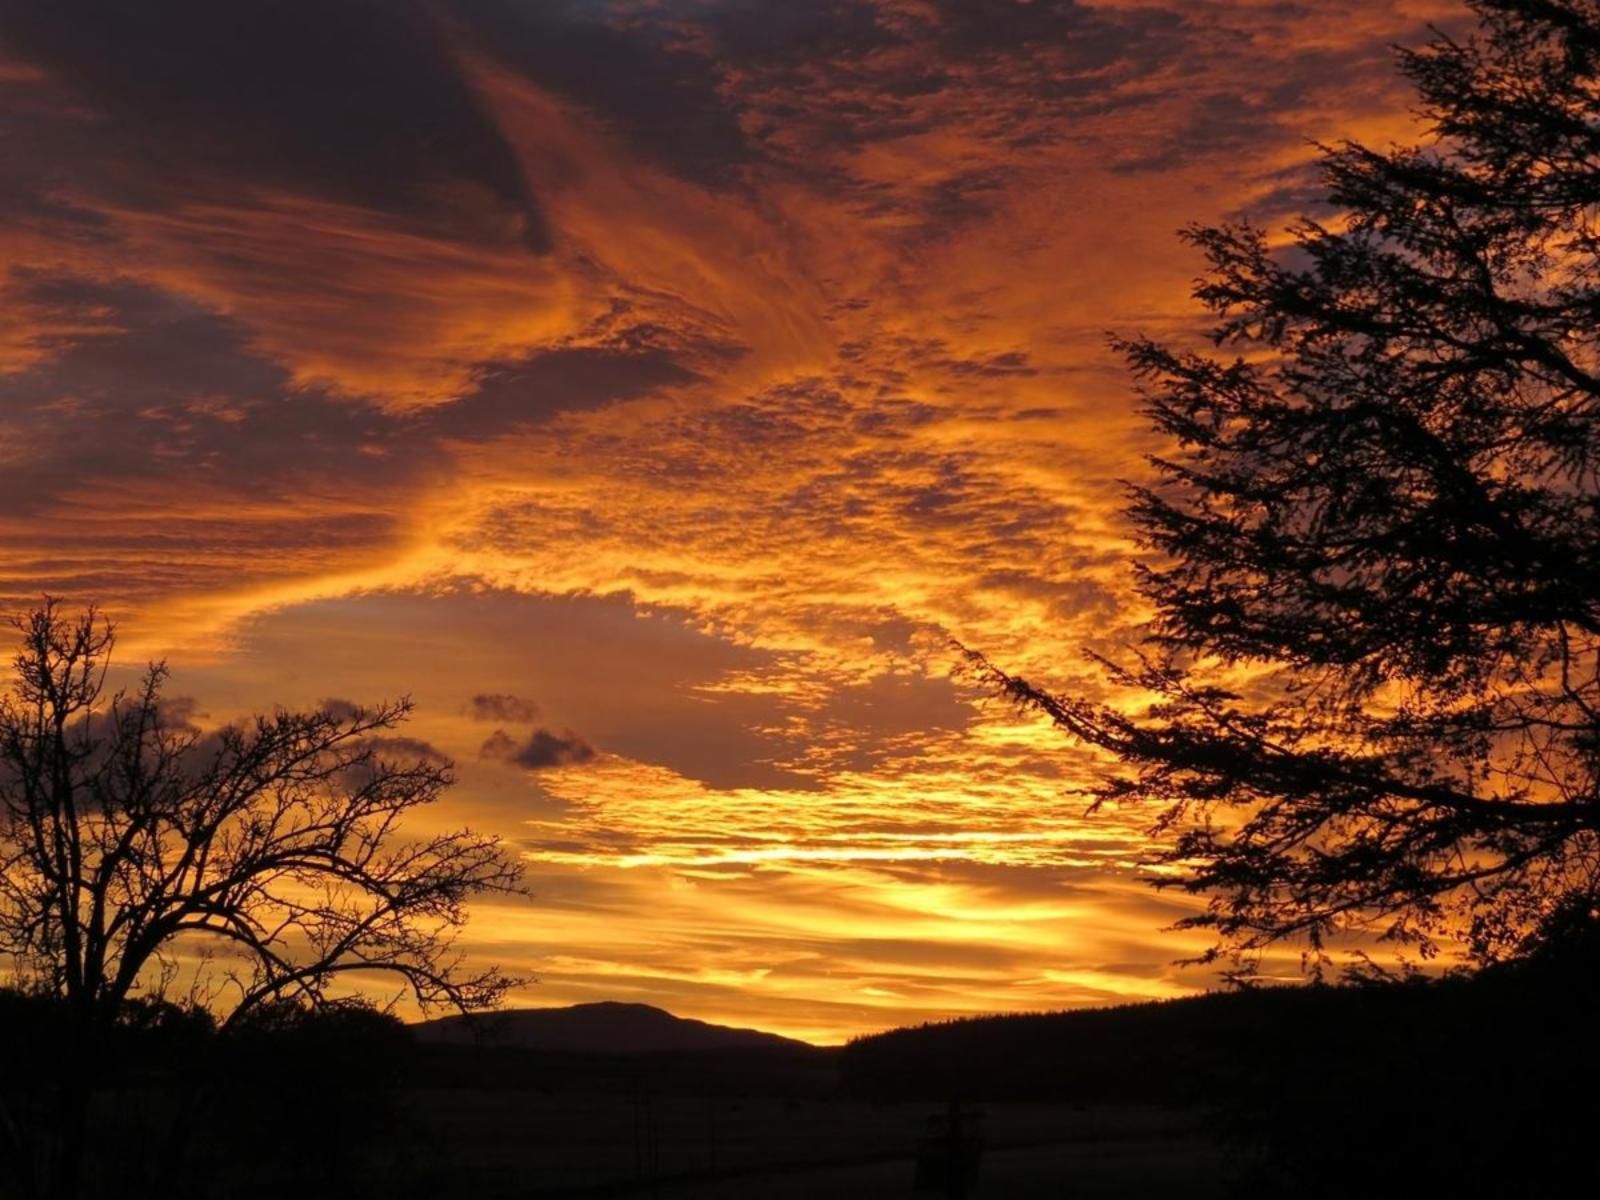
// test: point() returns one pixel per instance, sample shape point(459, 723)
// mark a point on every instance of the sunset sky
point(653, 389)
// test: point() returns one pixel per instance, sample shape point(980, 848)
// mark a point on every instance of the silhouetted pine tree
point(1384, 488)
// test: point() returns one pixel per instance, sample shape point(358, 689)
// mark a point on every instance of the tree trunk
point(71, 1135)
point(81, 1065)
point(18, 1152)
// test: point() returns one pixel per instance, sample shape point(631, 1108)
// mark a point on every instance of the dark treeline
point(292, 1098)
point(313, 1101)
point(1464, 1085)
point(775, 1073)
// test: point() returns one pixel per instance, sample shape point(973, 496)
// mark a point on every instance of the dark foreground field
point(534, 1144)
point(1465, 1087)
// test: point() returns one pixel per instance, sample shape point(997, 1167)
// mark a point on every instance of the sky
point(654, 390)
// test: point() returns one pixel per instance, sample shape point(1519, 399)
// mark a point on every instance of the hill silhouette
point(606, 1027)
point(1465, 1085)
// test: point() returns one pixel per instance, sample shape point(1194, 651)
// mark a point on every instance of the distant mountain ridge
point(604, 1027)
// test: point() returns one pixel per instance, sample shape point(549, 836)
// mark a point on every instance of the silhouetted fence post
point(646, 1134)
point(947, 1156)
point(711, 1134)
point(638, 1129)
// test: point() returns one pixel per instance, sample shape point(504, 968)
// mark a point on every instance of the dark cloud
point(656, 91)
point(501, 706)
point(889, 705)
point(392, 747)
point(358, 100)
point(761, 32)
point(1091, 35)
point(340, 709)
point(177, 713)
point(406, 749)
point(151, 372)
point(162, 388)
point(935, 354)
point(645, 686)
point(540, 749)
point(965, 196)
point(522, 393)
point(152, 393)
point(1067, 599)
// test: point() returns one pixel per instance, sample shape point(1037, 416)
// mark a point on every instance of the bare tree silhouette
point(270, 854)
point(1387, 506)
